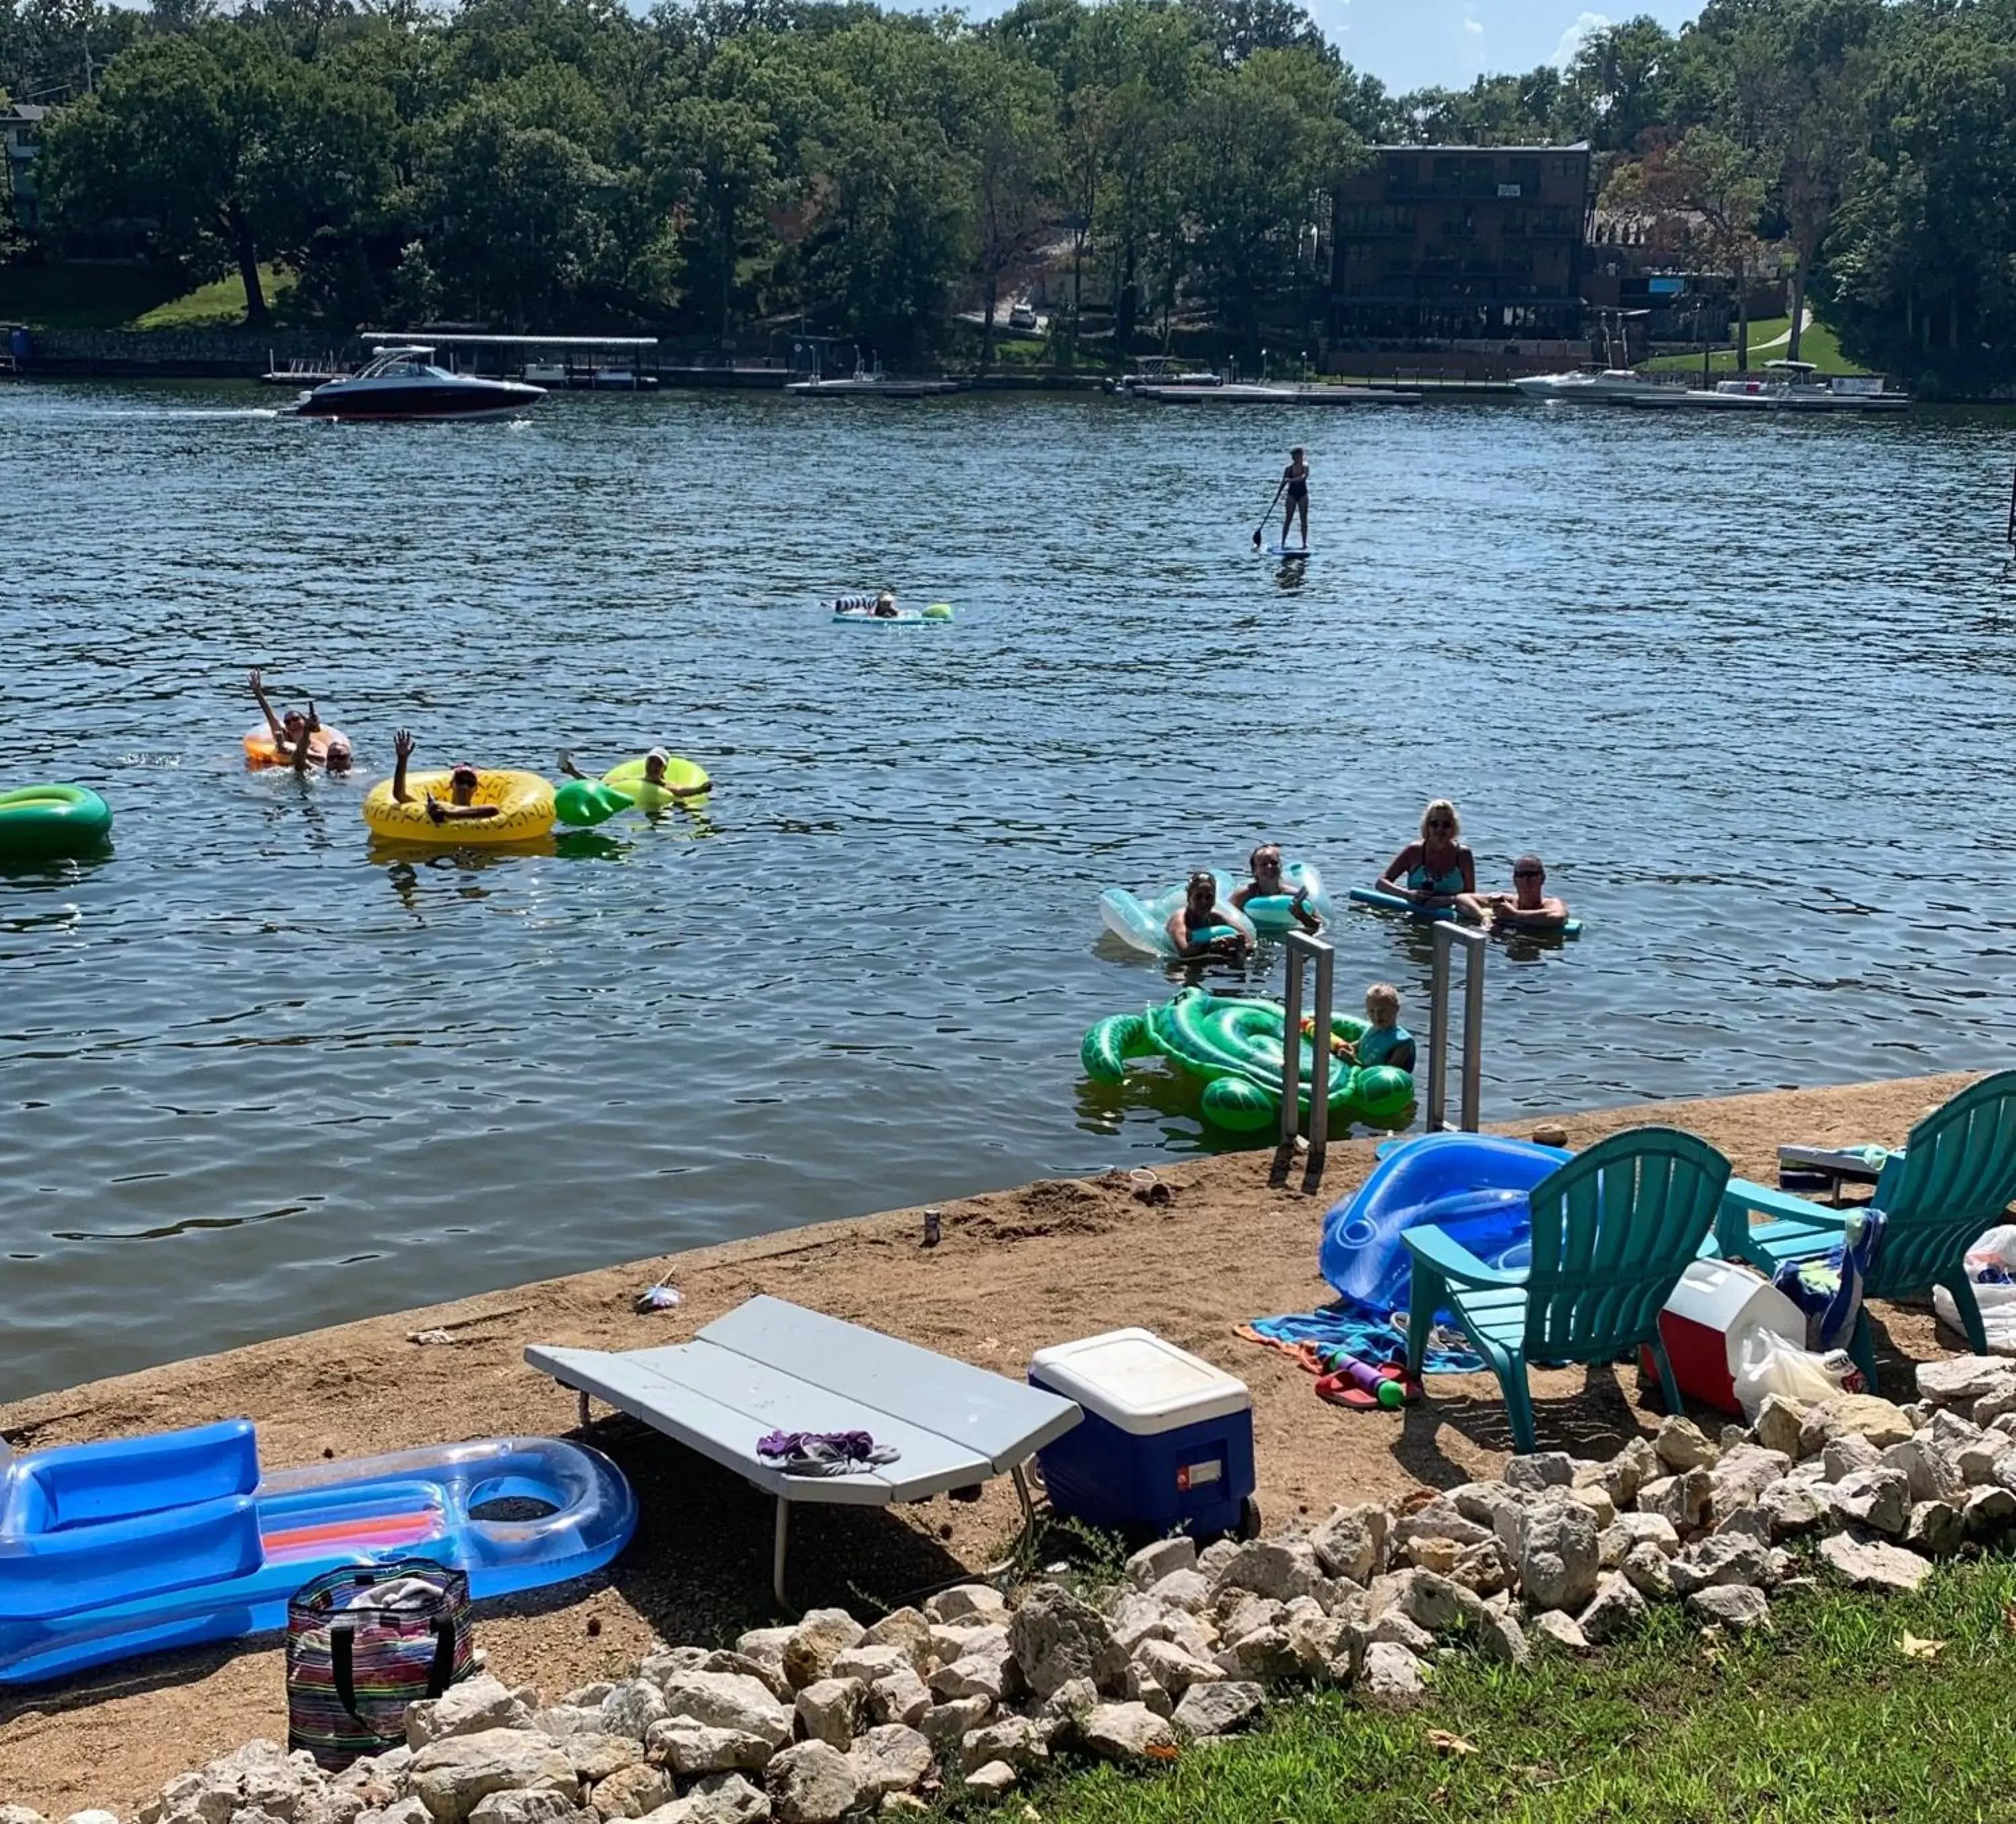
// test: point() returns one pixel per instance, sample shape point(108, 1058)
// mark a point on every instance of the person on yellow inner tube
point(461, 785)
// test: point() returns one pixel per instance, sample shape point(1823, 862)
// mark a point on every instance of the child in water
point(1388, 1042)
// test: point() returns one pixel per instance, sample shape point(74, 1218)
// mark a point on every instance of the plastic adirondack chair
point(1613, 1230)
point(1956, 1176)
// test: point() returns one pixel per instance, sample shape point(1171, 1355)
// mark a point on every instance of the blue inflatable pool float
point(126, 1547)
point(1475, 1186)
point(1436, 914)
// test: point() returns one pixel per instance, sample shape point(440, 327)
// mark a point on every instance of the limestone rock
point(1988, 1512)
point(1959, 1380)
point(411, 1811)
point(1267, 1654)
point(662, 1662)
point(945, 1726)
point(631, 1707)
point(1648, 1529)
point(903, 1697)
point(1863, 1415)
point(866, 1663)
point(1392, 1679)
point(477, 1703)
point(1436, 1554)
point(562, 1720)
point(1561, 1628)
point(968, 1640)
point(1846, 1454)
point(1928, 1467)
point(1614, 1610)
point(1487, 1569)
point(1327, 1646)
point(1134, 1618)
point(968, 1603)
point(767, 1645)
point(772, 1677)
point(630, 1791)
point(992, 1780)
point(1275, 1568)
point(1871, 1565)
point(535, 1807)
point(1879, 1498)
point(718, 1798)
point(1935, 1528)
point(1727, 1558)
point(1430, 1601)
point(1149, 1565)
point(1602, 1508)
point(728, 1700)
point(819, 1637)
point(1056, 1638)
point(1216, 1555)
point(891, 1758)
point(1682, 1499)
point(1744, 1473)
point(830, 1711)
point(1188, 1590)
point(20, 1814)
point(1174, 1670)
point(1778, 1421)
point(1500, 1637)
point(985, 1677)
point(1542, 1469)
point(811, 1783)
point(1219, 1707)
point(908, 1629)
point(1649, 1571)
point(1557, 1559)
point(688, 1748)
point(1125, 1732)
point(1738, 1607)
point(1352, 1542)
point(450, 1776)
point(1394, 1628)
point(1440, 1519)
point(1015, 1739)
point(1792, 1508)
point(1679, 1444)
point(595, 1757)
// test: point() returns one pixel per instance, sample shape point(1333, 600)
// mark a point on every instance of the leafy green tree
point(1017, 167)
point(1620, 83)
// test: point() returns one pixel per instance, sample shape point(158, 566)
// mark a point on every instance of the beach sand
point(1016, 1269)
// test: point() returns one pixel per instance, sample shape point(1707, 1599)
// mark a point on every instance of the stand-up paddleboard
point(1433, 915)
point(1289, 553)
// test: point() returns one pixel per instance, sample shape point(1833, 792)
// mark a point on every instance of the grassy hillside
point(1818, 345)
point(126, 298)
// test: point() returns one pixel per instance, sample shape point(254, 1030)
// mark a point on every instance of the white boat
point(869, 382)
point(403, 383)
point(1282, 393)
point(1585, 388)
point(1153, 374)
point(1788, 386)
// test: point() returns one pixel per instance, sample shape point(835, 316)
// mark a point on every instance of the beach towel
point(1348, 1327)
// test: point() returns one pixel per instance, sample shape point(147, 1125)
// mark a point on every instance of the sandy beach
point(1016, 1269)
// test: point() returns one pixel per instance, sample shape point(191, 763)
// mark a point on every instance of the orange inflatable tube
point(262, 750)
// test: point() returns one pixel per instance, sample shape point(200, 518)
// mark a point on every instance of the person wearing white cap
point(655, 762)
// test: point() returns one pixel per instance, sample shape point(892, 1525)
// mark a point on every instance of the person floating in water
point(1266, 884)
point(1527, 908)
point(885, 606)
point(655, 763)
point(1295, 487)
point(1388, 1042)
point(288, 730)
point(336, 751)
point(462, 785)
point(1198, 928)
point(1436, 871)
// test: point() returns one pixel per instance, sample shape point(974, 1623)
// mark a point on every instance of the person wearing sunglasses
point(1438, 870)
point(1527, 908)
point(1200, 927)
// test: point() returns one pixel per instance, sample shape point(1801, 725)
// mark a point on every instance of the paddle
point(1269, 514)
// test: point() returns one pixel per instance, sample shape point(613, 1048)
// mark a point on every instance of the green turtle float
point(1235, 1045)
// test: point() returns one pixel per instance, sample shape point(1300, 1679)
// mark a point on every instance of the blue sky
point(1410, 44)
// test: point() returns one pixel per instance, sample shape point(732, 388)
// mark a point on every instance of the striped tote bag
point(363, 1641)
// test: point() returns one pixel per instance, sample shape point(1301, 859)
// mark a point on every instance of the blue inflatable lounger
point(135, 1544)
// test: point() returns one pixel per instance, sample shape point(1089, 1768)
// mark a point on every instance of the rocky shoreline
point(835, 1717)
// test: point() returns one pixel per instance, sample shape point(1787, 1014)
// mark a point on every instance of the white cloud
point(1586, 26)
point(1474, 26)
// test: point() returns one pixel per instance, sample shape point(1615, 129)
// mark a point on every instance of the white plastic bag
point(1767, 1362)
point(1990, 1261)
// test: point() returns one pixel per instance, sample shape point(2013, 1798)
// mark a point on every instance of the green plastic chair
point(1955, 1177)
point(1613, 1230)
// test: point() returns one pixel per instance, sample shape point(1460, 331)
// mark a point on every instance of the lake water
point(1747, 685)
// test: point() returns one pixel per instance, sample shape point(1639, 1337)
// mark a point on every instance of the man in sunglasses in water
point(1527, 908)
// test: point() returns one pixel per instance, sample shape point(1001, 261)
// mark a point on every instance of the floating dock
point(1236, 393)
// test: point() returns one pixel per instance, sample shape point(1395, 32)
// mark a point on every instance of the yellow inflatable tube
point(684, 778)
point(524, 804)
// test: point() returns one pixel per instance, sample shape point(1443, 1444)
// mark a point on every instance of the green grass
point(1824, 1721)
point(1817, 344)
point(218, 305)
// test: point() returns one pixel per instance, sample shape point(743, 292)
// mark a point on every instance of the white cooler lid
point(1134, 1380)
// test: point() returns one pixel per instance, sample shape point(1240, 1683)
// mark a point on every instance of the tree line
point(717, 166)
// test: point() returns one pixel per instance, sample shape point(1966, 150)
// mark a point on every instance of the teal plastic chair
point(1955, 1177)
point(1613, 1230)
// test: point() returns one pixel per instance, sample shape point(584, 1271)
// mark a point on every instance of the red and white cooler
point(1703, 1322)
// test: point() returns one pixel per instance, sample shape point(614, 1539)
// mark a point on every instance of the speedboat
point(404, 383)
point(1792, 386)
point(869, 383)
point(1588, 389)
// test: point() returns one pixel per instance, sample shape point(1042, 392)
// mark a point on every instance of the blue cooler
point(1167, 1442)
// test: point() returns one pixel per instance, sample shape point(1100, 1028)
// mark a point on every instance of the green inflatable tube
point(39, 821)
point(1235, 1045)
point(584, 803)
point(684, 778)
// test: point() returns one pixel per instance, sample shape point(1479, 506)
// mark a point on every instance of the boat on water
point(1265, 393)
point(1784, 385)
point(869, 382)
point(1604, 387)
point(403, 383)
point(1162, 371)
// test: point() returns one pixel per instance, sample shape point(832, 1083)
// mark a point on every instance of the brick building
point(1460, 243)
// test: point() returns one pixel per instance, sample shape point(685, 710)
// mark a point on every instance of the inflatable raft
point(1143, 924)
point(1236, 1046)
point(39, 822)
point(111, 1549)
point(524, 803)
point(1433, 914)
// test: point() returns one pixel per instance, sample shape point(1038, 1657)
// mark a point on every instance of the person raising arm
point(463, 783)
point(1267, 884)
